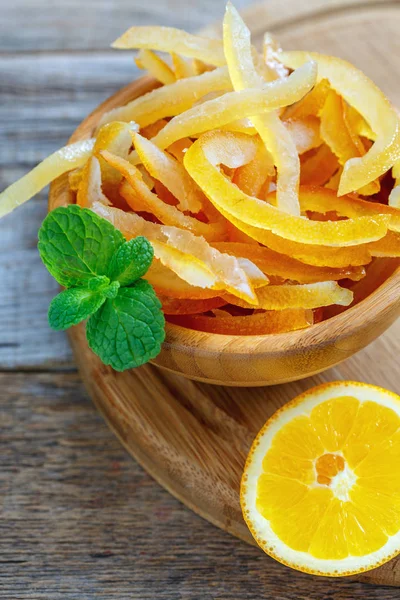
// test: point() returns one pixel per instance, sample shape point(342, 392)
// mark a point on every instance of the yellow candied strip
point(212, 149)
point(306, 296)
point(138, 196)
point(394, 198)
point(235, 105)
point(340, 138)
point(323, 200)
point(230, 275)
point(169, 39)
point(156, 66)
point(319, 255)
point(163, 167)
point(67, 158)
point(182, 67)
point(286, 267)
point(276, 137)
point(363, 95)
point(89, 189)
point(170, 100)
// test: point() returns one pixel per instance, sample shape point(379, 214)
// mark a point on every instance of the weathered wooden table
point(78, 517)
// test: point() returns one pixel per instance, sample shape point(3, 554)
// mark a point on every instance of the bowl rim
point(351, 321)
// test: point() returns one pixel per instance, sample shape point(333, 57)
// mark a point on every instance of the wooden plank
point(92, 24)
point(80, 519)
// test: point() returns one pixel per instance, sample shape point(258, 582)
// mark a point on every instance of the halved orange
point(321, 486)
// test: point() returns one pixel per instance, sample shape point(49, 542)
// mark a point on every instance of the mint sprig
point(102, 273)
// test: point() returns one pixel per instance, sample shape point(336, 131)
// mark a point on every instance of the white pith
point(340, 484)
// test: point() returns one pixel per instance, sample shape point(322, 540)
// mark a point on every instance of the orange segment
point(320, 489)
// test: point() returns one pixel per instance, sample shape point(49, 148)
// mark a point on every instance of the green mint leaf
point(77, 245)
point(111, 291)
point(131, 261)
point(98, 283)
point(72, 306)
point(127, 331)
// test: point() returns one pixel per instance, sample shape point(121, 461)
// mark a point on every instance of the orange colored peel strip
point(170, 172)
point(235, 105)
point(201, 161)
point(276, 137)
point(171, 100)
point(156, 66)
point(169, 39)
point(306, 296)
point(257, 324)
point(361, 93)
point(67, 158)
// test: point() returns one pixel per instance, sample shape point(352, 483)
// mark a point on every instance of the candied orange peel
point(268, 183)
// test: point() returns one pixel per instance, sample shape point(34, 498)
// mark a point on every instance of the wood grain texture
point(78, 518)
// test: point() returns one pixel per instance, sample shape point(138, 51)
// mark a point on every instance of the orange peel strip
point(75, 177)
point(280, 265)
point(228, 273)
point(257, 324)
point(319, 168)
point(251, 177)
point(316, 255)
point(178, 148)
point(63, 160)
point(394, 197)
point(323, 200)
point(170, 172)
point(212, 149)
point(305, 133)
point(115, 138)
point(306, 296)
point(176, 306)
point(311, 104)
point(140, 198)
point(168, 283)
point(235, 105)
point(170, 100)
point(272, 131)
point(90, 189)
point(389, 246)
point(338, 135)
point(156, 66)
point(361, 93)
point(271, 50)
point(182, 67)
point(169, 39)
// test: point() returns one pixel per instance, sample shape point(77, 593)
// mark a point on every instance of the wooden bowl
point(265, 359)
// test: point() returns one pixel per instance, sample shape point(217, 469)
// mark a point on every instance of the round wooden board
point(193, 437)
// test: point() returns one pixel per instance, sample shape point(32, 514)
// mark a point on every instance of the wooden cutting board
point(192, 437)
